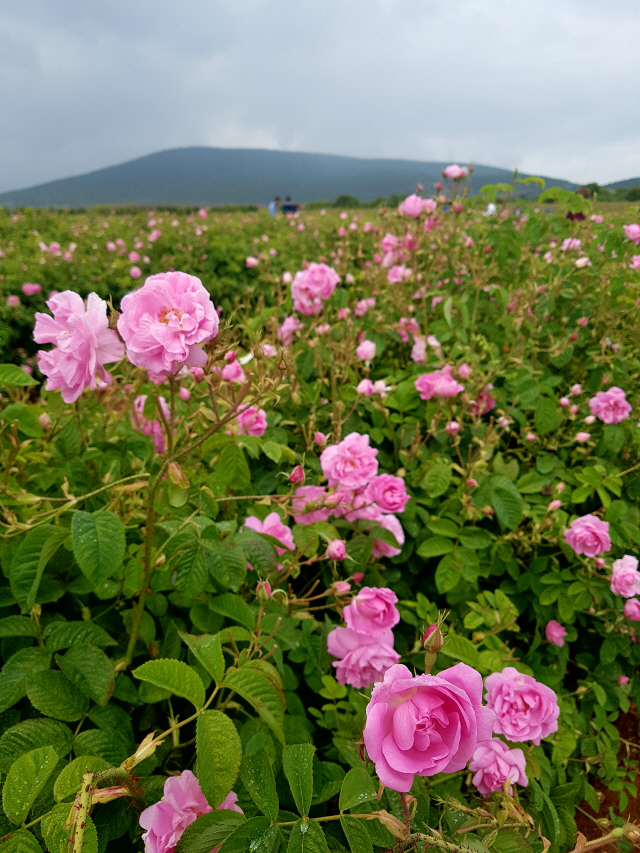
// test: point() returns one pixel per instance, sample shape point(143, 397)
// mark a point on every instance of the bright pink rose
point(182, 803)
point(233, 372)
point(147, 426)
point(365, 387)
point(362, 658)
point(632, 232)
point(439, 383)
point(412, 206)
point(555, 633)
point(524, 708)
point(83, 341)
point(425, 725)
point(455, 172)
point(382, 549)
point(353, 507)
point(31, 289)
point(366, 351)
point(483, 404)
point(351, 463)
point(252, 421)
point(631, 610)
point(588, 535)
point(398, 274)
point(288, 329)
point(337, 550)
point(312, 286)
point(625, 578)
point(273, 526)
point(372, 611)
point(309, 505)
point(163, 322)
point(494, 763)
point(610, 406)
point(389, 492)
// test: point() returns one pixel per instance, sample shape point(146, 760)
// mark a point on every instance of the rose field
point(321, 532)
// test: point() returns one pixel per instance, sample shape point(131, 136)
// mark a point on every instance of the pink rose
point(398, 274)
point(455, 172)
point(382, 549)
point(83, 344)
point(632, 232)
point(366, 351)
point(610, 406)
point(426, 724)
point(251, 262)
point(233, 372)
point(388, 492)
point(151, 427)
point(351, 463)
point(363, 659)
point(588, 535)
point(372, 611)
point(252, 421)
point(524, 708)
point(288, 329)
point(312, 286)
point(419, 350)
point(631, 610)
point(439, 383)
point(182, 803)
point(273, 526)
point(337, 550)
point(625, 578)
point(164, 321)
point(494, 763)
point(320, 439)
point(309, 505)
point(581, 437)
point(365, 387)
point(483, 404)
point(570, 244)
point(555, 633)
point(635, 262)
point(31, 289)
point(412, 206)
point(430, 205)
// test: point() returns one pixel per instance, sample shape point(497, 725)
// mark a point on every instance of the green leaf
point(173, 675)
point(21, 842)
point(435, 547)
point(257, 777)
point(30, 561)
point(13, 376)
point(547, 416)
point(448, 574)
point(98, 543)
point(31, 734)
point(459, 648)
point(90, 670)
point(219, 753)
point(256, 835)
point(436, 481)
point(507, 503)
point(357, 788)
point(510, 841)
point(13, 684)
point(26, 418)
point(357, 835)
point(55, 696)
point(60, 635)
point(235, 608)
point(232, 468)
point(307, 837)
point(18, 626)
point(208, 831)
point(444, 527)
point(258, 551)
point(56, 834)
point(208, 650)
point(297, 761)
point(531, 483)
point(252, 683)
point(25, 780)
point(68, 782)
point(475, 538)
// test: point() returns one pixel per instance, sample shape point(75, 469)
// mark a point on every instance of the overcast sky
point(548, 86)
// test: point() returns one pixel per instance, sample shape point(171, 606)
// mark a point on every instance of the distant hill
point(216, 176)
point(630, 182)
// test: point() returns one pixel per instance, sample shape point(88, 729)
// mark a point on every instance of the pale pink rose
point(564, 402)
point(493, 764)
point(412, 206)
point(268, 350)
point(380, 387)
point(632, 232)
point(555, 633)
point(430, 205)
point(111, 246)
point(583, 436)
point(30, 289)
point(287, 278)
point(233, 372)
point(83, 344)
point(576, 389)
point(426, 724)
point(531, 437)
point(623, 679)
point(554, 505)
point(525, 709)
point(455, 172)
point(44, 420)
point(373, 611)
point(365, 386)
point(503, 422)
point(597, 218)
point(381, 549)
point(610, 406)
point(434, 343)
point(388, 492)
point(625, 578)
point(313, 286)
point(362, 659)
point(182, 803)
point(361, 308)
point(288, 329)
point(155, 235)
point(337, 550)
point(635, 262)
point(164, 321)
point(251, 262)
point(354, 507)
point(631, 610)
point(320, 439)
point(135, 272)
point(453, 427)
point(440, 383)
point(252, 421)
point(419, 350)
point(14, 302)
point(483, 404)
point(184, 394)
point(308, 505)
point(340, 587)
point(588, 535)
point(398, 273)
point(389, 242)
point(273, 526)
point(151, 427)
point(366, 351)
point(134, 257)
point(570, 244)
point(351, 463)
point(463, 371)
point(583, 262)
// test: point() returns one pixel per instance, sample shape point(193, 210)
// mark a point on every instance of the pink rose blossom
point(632, 232)
point(596, 218)
point(531, 437)
point(398, 274)
point(412, 206)
point(339, 587)
point(380, 387)
point(288, 329)
point(351, 463)
point(554, 505)
point(429, 205)
point(525, 709)
point(309, 505)
point(631, 610)
point(564, 402)
point(184, 394)
point(83, 344)
point(440, 383)
point(635, 262)
point(382, 549)
point(426, 724)
point(483, 404)
point(313, 286)
point(623, 679)
point(320, 439)
point(588, 535)
point(583, 262)
point(30, 289)
point(419, 350)
point(494, 764)
point(273, 526)
point(625, 578)
point(362, 658)
point(365, 386)
point(388, 492)
point(455, 172)
point(453, 428)
point(164, 321)
point(463, 371)
point(151, 427)
point(373, 611)
point(135, 272)
point(13, 302)
point(337, 550)
point(503, 422)
point(570, 244)
point(297, 475)
point(366, 351)
point(252, 421)
point(233, 372)
point(610, 406)
point(583, 436)
point(251, 262)
point(576, 389)
point(555, 633)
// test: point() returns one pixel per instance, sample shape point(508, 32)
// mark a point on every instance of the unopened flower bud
point(184, 393)
point(432, 640)
point(320, 439)
point(341, 587)
point(574, 410)
point(600, 562)
point(392, 824)
point(357, 577)
point(297, 475)
point(554, 505)
point(44, 420)
point(457, 207)
point(472, 483)
point(263, 590)
point(336, 550)
point(560, 487)
point(564, 402)
point(463, 371)
point(576, 389)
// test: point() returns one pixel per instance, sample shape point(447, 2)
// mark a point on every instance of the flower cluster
point(312, 286)
point(439, 383)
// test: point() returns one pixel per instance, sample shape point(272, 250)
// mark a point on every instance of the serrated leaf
point(55, 696)
point(209, 831)
point(25, 779)
point(263, 693)
point(13, 376)
point(90, 670)
point(307, 837)
point(256, 835)
point(173, 675)
point(444, 527)
point(510, 841)
point(232, 468)
point(21, 842)
point(60, 635)
point(235, 608)
point(13, 685)
point(508, 506)
point(357, 788)
point(56, 834)
point(297, 761)
point(30, 561)
point(31, 734)
point(208, 650)
point(18, 626)
point(436, 481)
point(257, 777)
point(98, 543)
point(459, 648)
point(437, 546)
point(475, 538)
point(448, 574)
point(547, 416)
point(68, 782)
point(356, 834)
point(219, 754)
